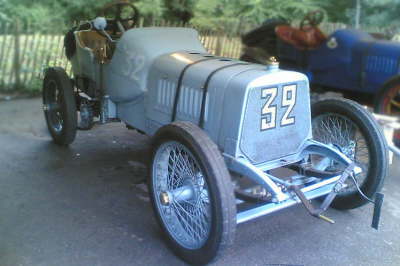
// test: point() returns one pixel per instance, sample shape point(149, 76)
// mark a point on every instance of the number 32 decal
point(269, 110)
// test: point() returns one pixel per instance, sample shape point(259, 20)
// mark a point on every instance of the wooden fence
point(24, 55)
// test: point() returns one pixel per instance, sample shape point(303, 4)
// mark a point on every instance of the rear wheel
point(192, 193)
point(388, 102)
point(347, 126)
point(59, 106)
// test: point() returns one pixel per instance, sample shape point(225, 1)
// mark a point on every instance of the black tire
point(375, 145)
point(389, 91)
point(220, 191)
point(59, 106)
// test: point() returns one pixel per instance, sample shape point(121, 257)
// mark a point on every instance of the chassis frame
point(286, 193)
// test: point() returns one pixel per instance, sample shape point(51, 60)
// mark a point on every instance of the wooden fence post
point(16, 62)
point(218, 49)
point(3, 45)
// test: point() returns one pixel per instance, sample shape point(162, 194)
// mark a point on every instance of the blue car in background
point(348, 60)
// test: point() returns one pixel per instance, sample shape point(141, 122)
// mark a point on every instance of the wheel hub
point(164, 198)
point(350, 149)
point(181, 194)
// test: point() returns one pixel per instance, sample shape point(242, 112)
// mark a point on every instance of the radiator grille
point(381, 64)
point(189, 104)
point(265, 145)
point(166, 93)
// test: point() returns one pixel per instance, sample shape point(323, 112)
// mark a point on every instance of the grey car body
point(142, 81)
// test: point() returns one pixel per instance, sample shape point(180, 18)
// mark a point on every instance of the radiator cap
point(272, 64)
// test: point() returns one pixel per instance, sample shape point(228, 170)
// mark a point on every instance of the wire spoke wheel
point(181, 195)
point(344, 135)
point(348, 127)
point(192, 193)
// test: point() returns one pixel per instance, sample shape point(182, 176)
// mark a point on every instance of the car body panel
point(135, 53)
point(148, 68)
point(226, 102)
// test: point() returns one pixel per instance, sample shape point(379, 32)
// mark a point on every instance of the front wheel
point(348, 127)
point(192, 193)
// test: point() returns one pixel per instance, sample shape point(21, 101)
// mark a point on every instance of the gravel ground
point(83, 205)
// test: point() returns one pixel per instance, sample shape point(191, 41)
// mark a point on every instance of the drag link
point(317, 212)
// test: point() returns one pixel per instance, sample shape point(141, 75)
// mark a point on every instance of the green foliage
point(338, 10)
point(381, 13)
point(150, 9)
point(217, 14)
point(179, 10)
point(221, 13)
point(38, 14)
point(377, 13)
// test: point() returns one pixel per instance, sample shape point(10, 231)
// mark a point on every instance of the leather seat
point(310, 38)
point(101, 47)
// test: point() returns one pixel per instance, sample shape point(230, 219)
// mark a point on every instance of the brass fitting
point(164, 198)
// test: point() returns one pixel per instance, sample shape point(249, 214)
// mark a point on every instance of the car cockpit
point(101, 34)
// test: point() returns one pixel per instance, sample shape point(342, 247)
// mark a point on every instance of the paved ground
point(82, 206)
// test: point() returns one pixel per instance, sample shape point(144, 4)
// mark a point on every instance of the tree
point(338, 10)
point(179, 10)
point(220, 13)
point(149, 9)
point(216, 14)
point(39, 13)
point(380, 13)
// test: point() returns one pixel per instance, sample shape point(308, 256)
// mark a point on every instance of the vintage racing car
point(232, 141)
point(350, 60)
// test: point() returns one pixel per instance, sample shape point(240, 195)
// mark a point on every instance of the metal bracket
point(317, 212)
point(244, 167)
point(315, 147)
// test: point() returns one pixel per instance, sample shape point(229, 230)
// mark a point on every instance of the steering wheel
point(312, 19)
point(120, 15)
